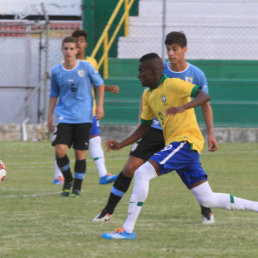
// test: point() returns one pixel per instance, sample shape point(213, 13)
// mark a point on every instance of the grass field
point(36, 222)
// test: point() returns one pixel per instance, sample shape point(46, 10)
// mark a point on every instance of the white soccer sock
point(58, 172)
point(142, 178)
point(98, 155)
point(207, 198)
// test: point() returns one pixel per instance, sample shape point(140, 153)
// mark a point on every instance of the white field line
point(29, 195)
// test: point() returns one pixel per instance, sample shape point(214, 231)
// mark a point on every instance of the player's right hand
point(112, 145)
point(50, 126)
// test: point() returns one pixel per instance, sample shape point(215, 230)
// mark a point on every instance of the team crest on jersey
point(164, 99)
point(81, 73)
point(189, 79)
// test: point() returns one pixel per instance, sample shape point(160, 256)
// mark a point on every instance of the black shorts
point(72, 134)
point(151, 143)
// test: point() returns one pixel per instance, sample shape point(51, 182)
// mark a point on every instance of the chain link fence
point(215, 29)
point(29, 49)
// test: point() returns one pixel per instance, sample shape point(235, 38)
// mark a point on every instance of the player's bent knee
point(129, 170)
point(145, 172)
point(60, 153)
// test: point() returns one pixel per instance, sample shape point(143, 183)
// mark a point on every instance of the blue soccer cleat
point(120, 233)
point(107, 179)
point(58, 181)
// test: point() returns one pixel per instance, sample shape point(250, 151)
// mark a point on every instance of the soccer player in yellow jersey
point(95, 139)
point(170, 101)
point(153, 141)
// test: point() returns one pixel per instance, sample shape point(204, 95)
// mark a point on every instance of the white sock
point(207, 198)
point(58, 172)
point(142, 178)
point(97, 155)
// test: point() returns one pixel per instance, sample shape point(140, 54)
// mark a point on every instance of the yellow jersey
point(94, 63)
point(173, 92)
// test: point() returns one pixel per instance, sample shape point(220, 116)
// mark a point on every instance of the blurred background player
point(71, 86)
point(95, 139)
point(153, 141)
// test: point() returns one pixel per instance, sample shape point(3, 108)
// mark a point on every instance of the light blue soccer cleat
point(120, 233)
point(58, 181)
point(107, 179)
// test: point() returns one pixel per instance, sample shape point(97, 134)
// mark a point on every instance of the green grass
point(36, 222)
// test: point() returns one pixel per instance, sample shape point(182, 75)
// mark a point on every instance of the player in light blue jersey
point(95, 145)
point(143, 149)
point(71, 86)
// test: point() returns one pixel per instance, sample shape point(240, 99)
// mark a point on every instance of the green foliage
point(36, 222)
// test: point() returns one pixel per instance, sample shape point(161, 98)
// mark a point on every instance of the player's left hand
point(174, 110)
point(212, 143)
point(114, 89)
point(2, 165)
point(112, 145)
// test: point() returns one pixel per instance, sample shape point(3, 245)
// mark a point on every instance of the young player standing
point(71, 84)
point(95, 139)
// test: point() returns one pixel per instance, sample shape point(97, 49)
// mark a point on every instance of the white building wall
point(214, 29)
point(32, 7)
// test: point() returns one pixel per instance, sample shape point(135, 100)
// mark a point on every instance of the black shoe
point(102, 216)
point(66, 189)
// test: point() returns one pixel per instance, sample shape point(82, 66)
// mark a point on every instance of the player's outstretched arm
point(112, 88)
point(136, 135)
point(200, 98)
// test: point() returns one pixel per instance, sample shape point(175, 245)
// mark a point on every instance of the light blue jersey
point(73, 88)
point(191, 74)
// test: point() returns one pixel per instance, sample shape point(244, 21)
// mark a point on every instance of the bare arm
point(99, 108)
point(200, 98)
point(136, 135)
point(140, 112)
point(112, 88)
point(52, 104)
point(208, 118)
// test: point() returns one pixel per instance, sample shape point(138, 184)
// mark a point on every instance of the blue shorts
point(179, 156)
point(95, 127)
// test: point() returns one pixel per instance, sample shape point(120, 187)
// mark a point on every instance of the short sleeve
point(181, 88)
point(94, 76)
point(54, 89)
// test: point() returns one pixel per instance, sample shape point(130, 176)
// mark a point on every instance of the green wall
point(233, 87)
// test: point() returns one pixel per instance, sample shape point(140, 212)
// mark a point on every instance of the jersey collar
point(163, 78)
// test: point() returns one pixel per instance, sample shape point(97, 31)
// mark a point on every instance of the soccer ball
point(2, 174)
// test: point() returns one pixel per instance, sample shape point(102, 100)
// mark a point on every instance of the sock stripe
point(79, 175)
point(232, 198)
point(117, 192)
point(66, 167)
point(98, 158)
point(140, 203)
